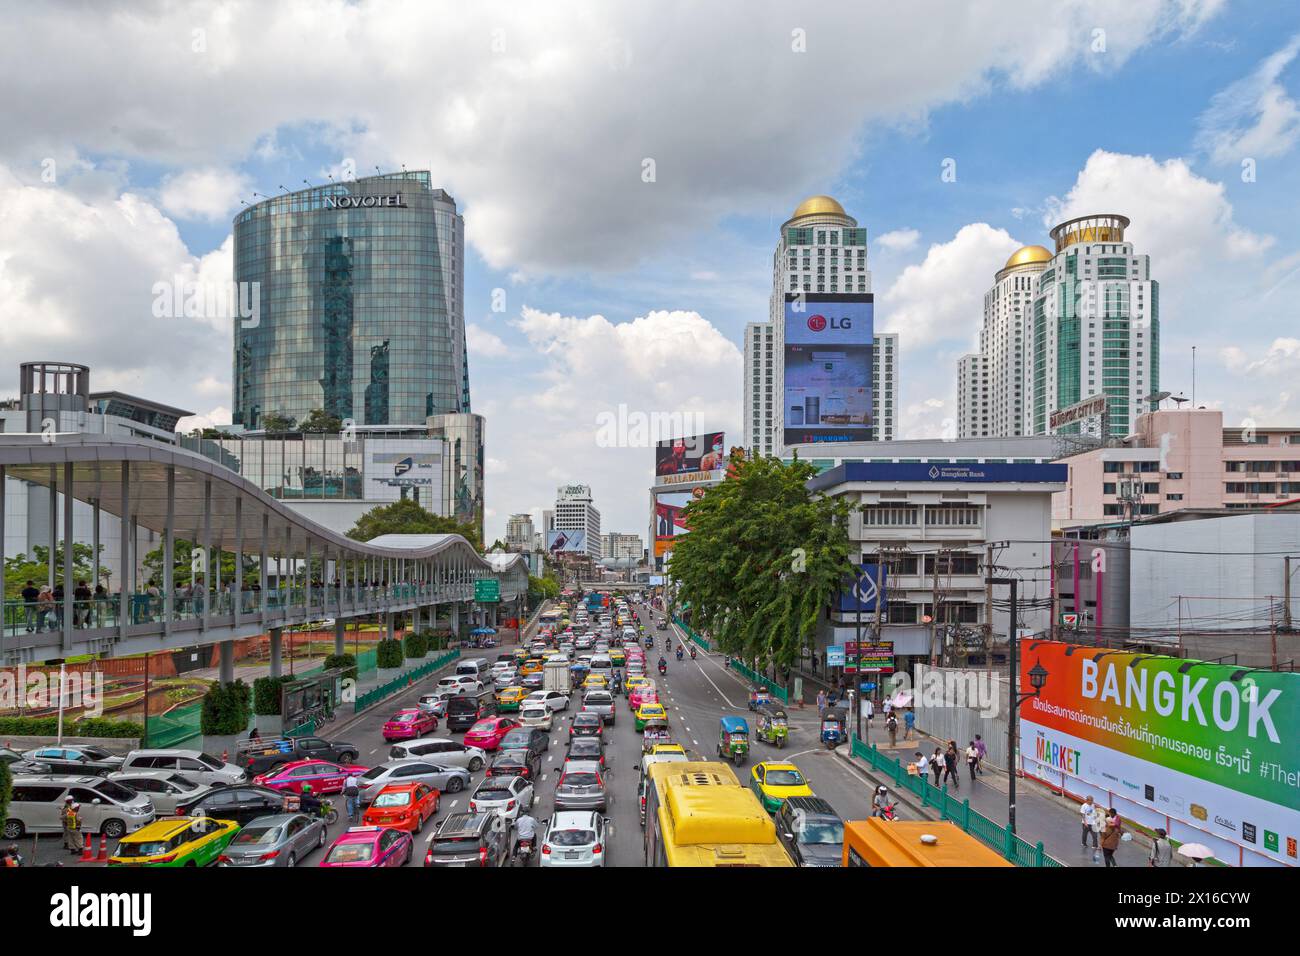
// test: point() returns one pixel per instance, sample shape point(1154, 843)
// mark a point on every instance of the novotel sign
point(364, 202)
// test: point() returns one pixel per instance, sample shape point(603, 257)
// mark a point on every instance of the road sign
point(487, 590)
point(835, 655)
point(1070, 619)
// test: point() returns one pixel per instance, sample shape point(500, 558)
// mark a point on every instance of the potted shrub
point(225, 716)
point(267, 710)
point(417, 646)
point(388, 659)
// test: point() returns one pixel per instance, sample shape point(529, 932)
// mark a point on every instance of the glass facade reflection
point(360, 308)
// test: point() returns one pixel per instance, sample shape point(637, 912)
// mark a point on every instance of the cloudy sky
point(132, 132)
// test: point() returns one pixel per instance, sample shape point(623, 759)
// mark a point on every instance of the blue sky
point(625, 292)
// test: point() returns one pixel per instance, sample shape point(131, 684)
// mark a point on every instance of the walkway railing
point(402, 681)
point(703, 642)
point(754, 677)
point(997, 837)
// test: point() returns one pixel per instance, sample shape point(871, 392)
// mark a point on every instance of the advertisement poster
point(1208, 751)
point(566, 541)
point(694, 453)
point(668, 519)
point(859, 592)
point(392, 465)
point(828, 354)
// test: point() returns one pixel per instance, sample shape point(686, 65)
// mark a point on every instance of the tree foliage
point(20, 568)
point(182, 570)
point(317, 421)
point(226, 709)
point(277, 424)
point(408, 517)
point(762, 559)
point(542, 589)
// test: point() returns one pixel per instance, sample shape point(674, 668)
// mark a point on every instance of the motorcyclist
point(692, 652)
point(680, 652)
point(525, 829)
point(880, 802)
point(309, 802)
point(663, 664)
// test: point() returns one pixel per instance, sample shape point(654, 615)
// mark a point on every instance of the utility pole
point(1286, 593)
point(880, 599)
point(988, 601)
point(934, 614)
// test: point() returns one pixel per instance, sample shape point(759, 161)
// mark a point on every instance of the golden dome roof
point(819, 206)
point(1026, 255)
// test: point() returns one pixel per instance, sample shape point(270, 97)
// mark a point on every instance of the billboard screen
point(668, 519)
point(828, 356)
point(695, 453)
point(393, 467)
point(1207, 751)
point(566, 541)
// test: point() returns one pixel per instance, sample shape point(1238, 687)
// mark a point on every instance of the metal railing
point(689, 631)
point(995, 836)
point(754, 677)
point(402, 681)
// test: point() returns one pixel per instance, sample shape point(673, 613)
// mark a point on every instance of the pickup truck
point(260, 756)
point(599, 702)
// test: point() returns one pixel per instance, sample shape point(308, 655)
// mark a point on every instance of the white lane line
point(694, 741)
point(376, 750)
point(453, 804)
point(544, 775)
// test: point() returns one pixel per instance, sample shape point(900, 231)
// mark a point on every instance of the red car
point(324, 776)
point(406, 806)
point(370, 846)
point(409, 724)
point(487, 734)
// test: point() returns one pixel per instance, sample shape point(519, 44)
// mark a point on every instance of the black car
point(516, 763)
point(470, 839)
point(532, 739)
point(811, 831)
point(243, 804)
point(586, 748)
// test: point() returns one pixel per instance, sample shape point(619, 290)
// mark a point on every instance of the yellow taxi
point(635, 681)
point(661, 749)
point(175, 841)
point(521, 654)
point(510, 698)
point(595, 682)
point(773, 783)
point(534, 665)
point(650, 711)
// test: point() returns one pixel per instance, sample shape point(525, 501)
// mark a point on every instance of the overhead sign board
point(1092, 407)
point(487, 590)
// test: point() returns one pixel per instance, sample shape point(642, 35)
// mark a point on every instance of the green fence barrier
point(174, 727)
point(402, 681)
point(690, 633)
point(779, 692)
point(998, 837)
point(306, 729)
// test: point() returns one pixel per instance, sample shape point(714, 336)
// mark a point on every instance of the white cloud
point(942, 297)
point(216, 416)
point(1253, 117)
point(208, 193)
point(1183, 221)
point(900, 240)
point(527, 90)
point(484, 344)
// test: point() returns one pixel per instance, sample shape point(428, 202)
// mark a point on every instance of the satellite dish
point(1155, 398)
point(1178, 399)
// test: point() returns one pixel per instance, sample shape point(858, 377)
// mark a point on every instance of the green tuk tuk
point(772, 725)
point(733, 739)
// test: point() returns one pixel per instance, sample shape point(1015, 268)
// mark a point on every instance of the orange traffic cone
point(87, 854)
point(102, 857)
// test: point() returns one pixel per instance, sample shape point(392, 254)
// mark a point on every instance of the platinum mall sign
point(364, 202)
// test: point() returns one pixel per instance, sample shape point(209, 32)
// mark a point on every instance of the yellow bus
point(698, 814)
point(876, 842)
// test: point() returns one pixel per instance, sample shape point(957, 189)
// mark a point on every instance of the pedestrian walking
point(81, 606)
point(31, 598)
point(70, 816)
point(821, 702)
point(1086, 811)
point(1110, 837)
point(950, 765)
point(972, 760)
point(1162, 851)
point(44, 607)
point(891, 725)
point(936, 764)
point(909, 723)
point(352, 793)
point(983, 752)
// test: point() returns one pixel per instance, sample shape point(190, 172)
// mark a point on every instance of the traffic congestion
point(601, 738)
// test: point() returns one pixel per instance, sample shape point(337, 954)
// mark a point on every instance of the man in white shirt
point(922, 765)
point(352, 792)
point(1086, 811)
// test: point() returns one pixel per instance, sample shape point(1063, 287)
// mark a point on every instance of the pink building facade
point(1180, 459)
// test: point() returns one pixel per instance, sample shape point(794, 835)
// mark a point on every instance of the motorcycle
point(679, 653)
point(663, 668)
point(886, 812)
point(524, 851)
point(692, 653)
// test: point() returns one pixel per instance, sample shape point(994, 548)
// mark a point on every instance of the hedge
point(417, 644)
point(388, 653)
point(344, 662)
point(85, 727)
point(266, 695)
point(226, 710)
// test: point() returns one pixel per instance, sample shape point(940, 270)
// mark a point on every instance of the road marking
point(375, 751)
point(453, 804)
point(544, 775)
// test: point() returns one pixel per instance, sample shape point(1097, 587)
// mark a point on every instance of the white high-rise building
point(623, 546)
point(519, 532)
point(991, 383)
point(574, 511)
point(1094, 328)
point(821, 250)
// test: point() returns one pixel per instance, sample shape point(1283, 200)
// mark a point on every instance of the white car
point(501, 666)
point(460, 683)
point(504, 796)
point(553, 699)
point(536, 714)
point(574, 838)
point(440, 751)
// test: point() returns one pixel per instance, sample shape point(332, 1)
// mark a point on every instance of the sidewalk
point(1040, 814)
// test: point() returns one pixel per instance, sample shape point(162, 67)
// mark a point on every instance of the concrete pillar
point(277, 662)
point(338, 635)
point(226, 669)
point(389, 629)
point(455, 619)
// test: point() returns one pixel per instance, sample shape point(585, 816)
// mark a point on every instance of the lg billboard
point(828, 356)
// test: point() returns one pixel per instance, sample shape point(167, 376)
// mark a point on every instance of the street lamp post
point(1037, 678)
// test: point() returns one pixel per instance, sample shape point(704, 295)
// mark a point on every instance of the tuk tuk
point(835, 727)
point(772, 726)
point(733, 739)
point(656, 732)
point(759, 697)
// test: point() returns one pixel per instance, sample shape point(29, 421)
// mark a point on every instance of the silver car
point(441, 751)
point(191, 764)
point(435, 703)
point(581, 787)
point(164, 788)
point(280, 839)
point(600, 702)
point(505, 796)
point(412, 770)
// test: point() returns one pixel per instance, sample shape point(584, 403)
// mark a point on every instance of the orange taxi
point(402, 806)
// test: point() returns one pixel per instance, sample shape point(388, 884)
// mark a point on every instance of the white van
point(476, 667)
point(107, 807)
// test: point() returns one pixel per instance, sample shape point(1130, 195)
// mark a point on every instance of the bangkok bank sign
point(365, 202)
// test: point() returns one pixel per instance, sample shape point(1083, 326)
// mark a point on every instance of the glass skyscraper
point(360, 304)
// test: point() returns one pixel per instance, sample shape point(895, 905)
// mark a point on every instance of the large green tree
point(317, 421)
point(21, 568)
point(182, 570)
point(277, 424)
point(762, 559)
point(408, 517)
